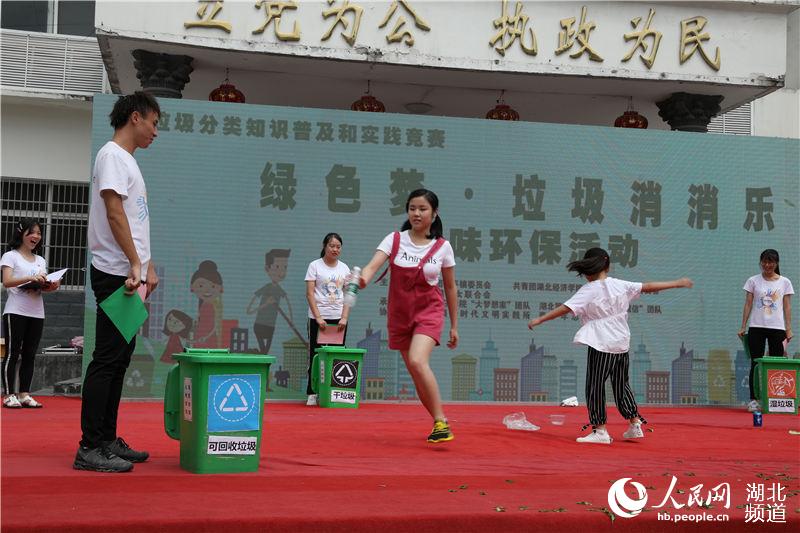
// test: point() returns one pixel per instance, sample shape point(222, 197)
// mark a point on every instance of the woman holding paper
point(327, 314)
point(23, 315)
point(771, 316)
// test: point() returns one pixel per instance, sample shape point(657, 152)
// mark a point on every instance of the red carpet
point(370, 469)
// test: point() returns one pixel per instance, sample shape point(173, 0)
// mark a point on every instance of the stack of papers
point(51, 277)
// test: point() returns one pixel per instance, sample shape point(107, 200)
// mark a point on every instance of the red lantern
point(368, 103)
point(502, 111)
point(227, 92)
point(631, 119)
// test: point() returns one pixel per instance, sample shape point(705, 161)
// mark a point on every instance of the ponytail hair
point(327, 239)
point(772, 256)
point(437, 230)
point(594, 261)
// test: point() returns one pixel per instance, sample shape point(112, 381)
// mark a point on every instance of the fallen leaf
point(523, 507)
point(680, 491)
point(500, 509)
point(650, 430)
point(481, 493)
point(794, 432)
point(452, 490)
point(509, 481)
point(583, 503)
point(462, 487)
point(690, 474)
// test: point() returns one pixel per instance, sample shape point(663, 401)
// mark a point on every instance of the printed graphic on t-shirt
point(144, 212)
point(332, 288)
point(415, 258)
point(768, 301)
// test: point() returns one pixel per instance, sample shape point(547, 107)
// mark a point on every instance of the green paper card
point(127, 312)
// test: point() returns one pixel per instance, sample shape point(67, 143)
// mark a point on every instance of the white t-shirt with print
point(116, 169)
point(409, 255)
point(602, 306)
point(328, 287)
point(20, 301)
point(768, 296)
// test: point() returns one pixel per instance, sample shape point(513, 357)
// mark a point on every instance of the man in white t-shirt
point(119, 241)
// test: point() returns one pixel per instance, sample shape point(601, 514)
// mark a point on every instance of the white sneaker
point(312, 399)
point(12, 402)
point(634, 431)
point(30, 403)
point(753, 406)
point(598, 436)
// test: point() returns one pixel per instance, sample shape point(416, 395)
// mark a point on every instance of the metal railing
point(62, 208)
point(48, 62)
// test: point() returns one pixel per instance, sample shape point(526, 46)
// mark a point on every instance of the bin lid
point(223, 356)
point(341, 350)
point(785, 361)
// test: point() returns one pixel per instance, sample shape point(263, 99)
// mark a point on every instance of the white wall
point(46, 139)
point(778, 114)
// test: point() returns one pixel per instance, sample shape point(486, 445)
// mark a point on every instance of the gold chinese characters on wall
point(513, 26)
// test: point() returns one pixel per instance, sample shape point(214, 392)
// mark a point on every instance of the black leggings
point(313, 331)
point(756, 337)
point(22, 333)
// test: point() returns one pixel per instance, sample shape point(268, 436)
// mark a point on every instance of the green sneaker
point(441, 432)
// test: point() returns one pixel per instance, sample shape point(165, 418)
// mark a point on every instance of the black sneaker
point(100, 459)
point(120, 448)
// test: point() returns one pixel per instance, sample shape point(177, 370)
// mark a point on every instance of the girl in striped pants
point(602, 305)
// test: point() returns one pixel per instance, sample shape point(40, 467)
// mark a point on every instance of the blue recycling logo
point(234, 402)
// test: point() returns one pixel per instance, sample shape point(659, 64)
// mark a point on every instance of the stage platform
point(370, 469)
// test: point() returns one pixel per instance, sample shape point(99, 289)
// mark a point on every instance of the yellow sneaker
point(441, 432)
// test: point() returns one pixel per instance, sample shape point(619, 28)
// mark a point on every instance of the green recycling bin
point(214, 404)
point(336, 376)
point(776, 384)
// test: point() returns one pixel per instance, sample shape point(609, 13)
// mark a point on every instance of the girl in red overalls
point(418, 256)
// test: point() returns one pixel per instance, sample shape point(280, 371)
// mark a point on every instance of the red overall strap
point(435, 248)
point(395, 247)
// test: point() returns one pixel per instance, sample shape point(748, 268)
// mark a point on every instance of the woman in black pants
point(768, 305)
point(23, 315)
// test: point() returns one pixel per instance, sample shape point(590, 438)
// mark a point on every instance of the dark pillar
point(162, 75)
point(689, 112)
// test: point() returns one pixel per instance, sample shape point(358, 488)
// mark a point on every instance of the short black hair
point(275, 253)
point(139, 101)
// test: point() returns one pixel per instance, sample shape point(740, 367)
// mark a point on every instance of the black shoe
point(100, 459)
point(120, 448)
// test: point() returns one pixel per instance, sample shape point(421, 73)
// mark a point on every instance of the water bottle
point(757, 419)
point(351, 289)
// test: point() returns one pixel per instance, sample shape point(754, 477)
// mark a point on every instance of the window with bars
point(62, 209)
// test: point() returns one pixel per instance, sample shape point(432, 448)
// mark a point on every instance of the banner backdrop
point(240, 197)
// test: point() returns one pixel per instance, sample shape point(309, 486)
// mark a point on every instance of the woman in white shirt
point(770, 317)
point(23, 316)
point(325, 280)
point(602, 305)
